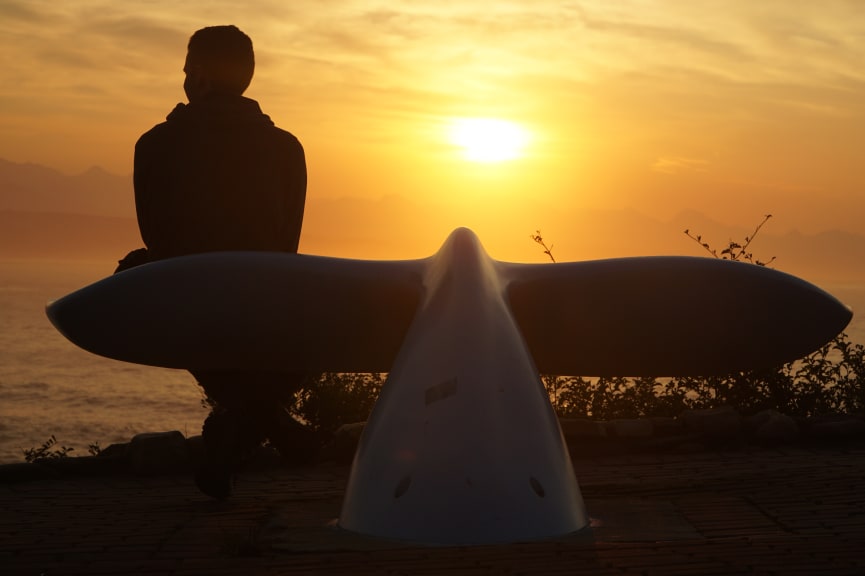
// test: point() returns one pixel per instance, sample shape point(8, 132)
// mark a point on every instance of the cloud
point(662, 34)
point(634, 64)
point(17, 12)
point(678, 164)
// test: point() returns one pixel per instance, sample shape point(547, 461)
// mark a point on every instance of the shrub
point(334, 399)
point(829, 380)
point(48, 451)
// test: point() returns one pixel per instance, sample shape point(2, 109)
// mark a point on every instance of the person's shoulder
point(154, 138)
point(286, 138)
point(163, 129)
point(155, 132)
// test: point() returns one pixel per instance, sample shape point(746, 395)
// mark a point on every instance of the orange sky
point(734, 108)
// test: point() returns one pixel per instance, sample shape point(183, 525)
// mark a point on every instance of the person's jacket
point(218, 175)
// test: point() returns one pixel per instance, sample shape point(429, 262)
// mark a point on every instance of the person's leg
point(249, 408)
point(297, 443)
point(227, 435)
point(215, 473)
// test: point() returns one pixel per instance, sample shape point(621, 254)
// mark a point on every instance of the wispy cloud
point(677, 164)
point(660, 64)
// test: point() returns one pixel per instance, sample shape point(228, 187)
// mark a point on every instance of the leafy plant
point(829, 380)
point(334, 399)
point(47, 451)
point(735, 251)
point(548, 250)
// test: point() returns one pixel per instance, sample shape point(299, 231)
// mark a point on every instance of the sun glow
point(488, 139)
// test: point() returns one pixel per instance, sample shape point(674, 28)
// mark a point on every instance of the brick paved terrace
point(796, 510)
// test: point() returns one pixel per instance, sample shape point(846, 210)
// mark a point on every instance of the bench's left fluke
point(242, 310)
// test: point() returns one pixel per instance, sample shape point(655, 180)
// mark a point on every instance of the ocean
point(49, 387)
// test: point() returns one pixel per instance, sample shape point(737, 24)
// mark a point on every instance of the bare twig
point(734, 251)
point(548, 250)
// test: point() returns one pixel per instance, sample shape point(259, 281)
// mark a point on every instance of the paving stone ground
point(749, 511)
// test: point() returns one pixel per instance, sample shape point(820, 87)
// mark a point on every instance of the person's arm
point(140, 169)
point(296, 197)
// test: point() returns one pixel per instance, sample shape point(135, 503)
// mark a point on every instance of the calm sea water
point(49, 386)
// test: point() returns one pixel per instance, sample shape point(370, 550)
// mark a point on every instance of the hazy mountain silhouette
point(47, 214)
point(53, 235)
point(35, 188)
point(832, 255)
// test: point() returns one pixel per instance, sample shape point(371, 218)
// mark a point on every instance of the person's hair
point(225, 55)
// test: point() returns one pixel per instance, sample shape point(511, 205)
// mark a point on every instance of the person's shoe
point(214, 476)
point(214, 480)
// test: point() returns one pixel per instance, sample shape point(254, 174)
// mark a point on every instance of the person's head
point(218, 59)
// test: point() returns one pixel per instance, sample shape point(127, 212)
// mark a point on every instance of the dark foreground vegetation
point(829, 381)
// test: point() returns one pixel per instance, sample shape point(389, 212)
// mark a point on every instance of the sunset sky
point(733, 108)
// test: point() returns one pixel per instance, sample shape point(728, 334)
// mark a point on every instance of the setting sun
point(488, 139)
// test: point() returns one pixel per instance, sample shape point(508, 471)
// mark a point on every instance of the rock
point(720, 426)
point(114, 451)
point(839, 428)
point(195, 450)
point(580, 428)
point(584, 437)
point(771, 428)
point(630, 428)
point(26, 471)
point(260, 458)
point(343, 444)
point(664, 426)
point(263, 457)
point(158, 453)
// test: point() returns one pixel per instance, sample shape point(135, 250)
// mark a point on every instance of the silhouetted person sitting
point(218, 175)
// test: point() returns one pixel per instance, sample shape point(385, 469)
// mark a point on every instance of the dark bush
point(334, 399)
point(829, 380)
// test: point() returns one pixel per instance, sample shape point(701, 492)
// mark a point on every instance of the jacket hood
point(220, 109)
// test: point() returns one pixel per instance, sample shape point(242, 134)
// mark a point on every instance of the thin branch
point(735, 251)
point(548, 250)
point(748, 239)
point(699, 240)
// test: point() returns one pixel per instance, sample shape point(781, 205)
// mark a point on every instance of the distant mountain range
point(47, 214)
point(53, 235)
point(35, 188)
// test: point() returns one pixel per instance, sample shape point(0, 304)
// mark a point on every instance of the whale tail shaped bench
point(463, 446)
